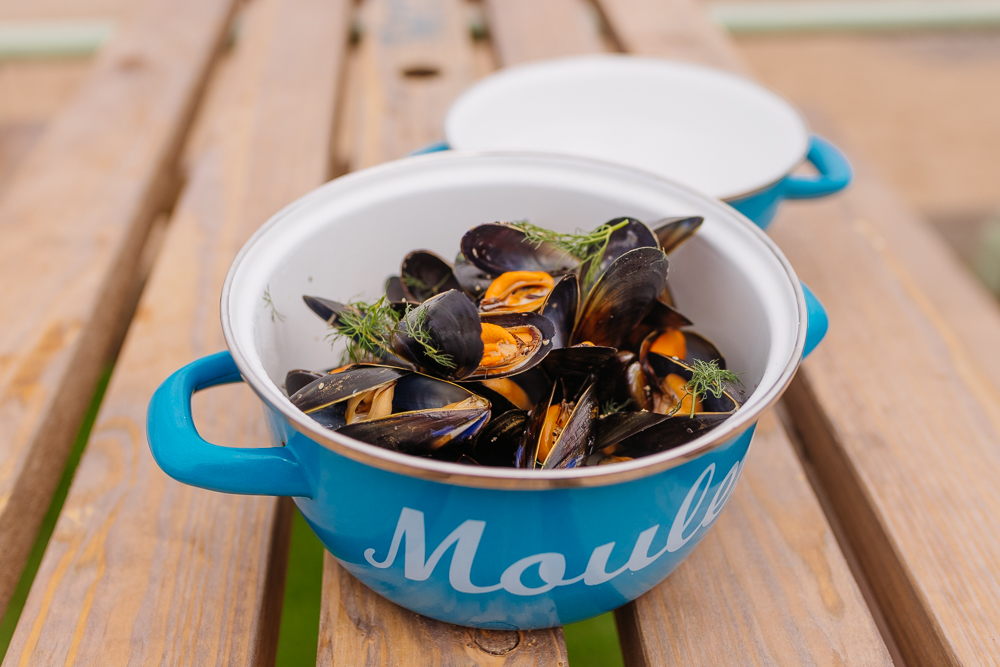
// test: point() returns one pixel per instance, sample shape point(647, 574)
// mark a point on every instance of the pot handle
point(189, 458)
point(819, 323)
point(834, 172)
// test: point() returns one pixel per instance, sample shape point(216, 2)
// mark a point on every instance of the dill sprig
point(706, 378)
point(275, 315)
point(611, 406)
point(413, 282)
point(367, 329)
point(584, 246)
point(417, 328)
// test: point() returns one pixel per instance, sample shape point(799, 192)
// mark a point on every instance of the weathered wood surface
point(414, 58)
point(769, 585)
point(399, 113)
point(526, 30)
point(73, 218)
point(359, 627)
point(142, 569)
point(906, 435)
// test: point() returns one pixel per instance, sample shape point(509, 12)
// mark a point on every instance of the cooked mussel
point(394, 408)
point(513, 343)
point(621, 298)
point(425, 274)
point(560, 433)
point(496, 248)
point(560, 308)
point(672, 232)
point(687, 346)
point(628, 234)
point(497, 443)
point(297, 378)
point(670, 378)
point(517, 292)
point(442, 336)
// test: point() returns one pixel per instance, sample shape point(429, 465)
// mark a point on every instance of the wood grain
point(525, 30)
point(359, 627)
point(899, 410)
point(672, 29)
point(142, 569)
point(769, 585)
point(394, 114)
point(415, 57)
point(73, 218)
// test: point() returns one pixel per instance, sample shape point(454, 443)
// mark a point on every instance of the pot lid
point(716, 132)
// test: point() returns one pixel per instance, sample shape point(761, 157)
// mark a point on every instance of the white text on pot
point(551, 566)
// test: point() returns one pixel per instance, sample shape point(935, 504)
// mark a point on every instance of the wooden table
point(864, 531)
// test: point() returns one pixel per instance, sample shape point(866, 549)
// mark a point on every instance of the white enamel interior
point(344, 239)
point(716, 132)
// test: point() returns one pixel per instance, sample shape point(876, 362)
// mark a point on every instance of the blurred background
point(912, 86)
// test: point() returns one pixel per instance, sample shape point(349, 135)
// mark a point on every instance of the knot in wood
point(496, 642)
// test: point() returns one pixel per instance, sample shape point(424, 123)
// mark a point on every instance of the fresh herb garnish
point(367, 329)
point(413, 282)
point(706, 378)
point(584, 246)
point(275, 315)
point(417, 328)
point(611, 406)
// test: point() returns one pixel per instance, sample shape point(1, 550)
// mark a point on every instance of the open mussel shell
point(337, 387)
point(327, 309)
point(497, 443)
point(658, 437)
point(448, 341)
point(672, 232)
point(621, 298)
point(661, 317)
point(560, 308)
point(728, 402)
point(698, 348)
point(537, 328)
point(424, 274)
point(572, 445)
point(297, 379)
point(619, 426)
point(394, 290)
point(521, 391)
point(473, 280)
point(623, 382)
point(634, 234)
point(574, 365)
point(427, 414)
point(496, 248)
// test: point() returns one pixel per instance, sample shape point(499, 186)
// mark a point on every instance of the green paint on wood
point(594, 642)
point(298, 637)
point(13, 613)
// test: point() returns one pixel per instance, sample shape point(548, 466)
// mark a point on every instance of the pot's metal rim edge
point(725, 197)
point(511, 478)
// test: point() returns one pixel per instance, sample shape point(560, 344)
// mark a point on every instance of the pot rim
point(495, 477)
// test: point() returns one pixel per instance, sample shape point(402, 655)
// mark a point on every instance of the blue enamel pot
point(721, 134)
point(485, 547)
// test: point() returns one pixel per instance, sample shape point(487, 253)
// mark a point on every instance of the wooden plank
point(142, 569)
point(359, 627)
point(525, 30)
point(414, 58)
point(678, 30)
point(73, 219)
point(394, 114)
point(769, 585)
point(912, 473)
